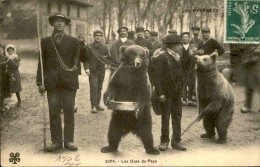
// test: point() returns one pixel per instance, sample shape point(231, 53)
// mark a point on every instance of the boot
point(163, 146)
point(207, 136)
point(53, 147)
point(100, 108)
point(94, 110)
point(70, 146)
point(245, 110)
point(178, 146)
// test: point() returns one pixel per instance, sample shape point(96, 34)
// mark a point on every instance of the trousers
point(171, 108)
point(96, 79)
point(61, 98)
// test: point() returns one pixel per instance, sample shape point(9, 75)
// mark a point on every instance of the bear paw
point(221, 141)
point(153, 151)
point(107, 149)
point(207, 136)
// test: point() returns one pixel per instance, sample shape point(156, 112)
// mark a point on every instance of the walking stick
point(43, 94)
point(196, 120)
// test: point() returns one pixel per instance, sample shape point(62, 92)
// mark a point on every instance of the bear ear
point(214, 56)
point(122, 49)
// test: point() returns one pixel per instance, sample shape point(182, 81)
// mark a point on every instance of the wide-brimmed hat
point(123, 27)
point(172, 38)
point(59, 15)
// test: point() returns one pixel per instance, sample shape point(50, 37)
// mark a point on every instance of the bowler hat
point(172, 38)
point(205, 29)
point(123, 27)
point(139, 29)
point(185, 33)
point(195, 28)
point(147, 31)
point(172, 31)
point(59, 15)
point(154, 34)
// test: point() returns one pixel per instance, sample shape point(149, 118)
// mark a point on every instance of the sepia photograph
point(130, 82)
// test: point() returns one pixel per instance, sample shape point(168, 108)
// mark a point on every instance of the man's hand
point(41, 89)
point(87, 71)
point(162, 98)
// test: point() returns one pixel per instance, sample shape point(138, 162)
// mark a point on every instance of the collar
point(173, 54)
point(57, 36)
point(186, 46)
point(207, 75)
point(206, 41)
point(124, 39)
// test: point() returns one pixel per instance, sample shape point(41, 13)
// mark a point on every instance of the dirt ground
point(22, 131)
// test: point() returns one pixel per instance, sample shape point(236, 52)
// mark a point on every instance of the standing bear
point(130, 83)
point(215, 97)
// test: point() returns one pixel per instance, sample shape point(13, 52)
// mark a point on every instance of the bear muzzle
point(137, 62)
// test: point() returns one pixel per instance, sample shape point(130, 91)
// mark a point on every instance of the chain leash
point(62, 64)
point(102, 60)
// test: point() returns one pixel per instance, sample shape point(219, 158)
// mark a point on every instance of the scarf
point(57, 36)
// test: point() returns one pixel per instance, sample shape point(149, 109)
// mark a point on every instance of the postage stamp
point(242, 21)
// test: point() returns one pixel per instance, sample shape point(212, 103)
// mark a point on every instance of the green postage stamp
point(242, 21)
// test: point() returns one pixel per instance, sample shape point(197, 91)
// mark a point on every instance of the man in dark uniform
point(209, 44)
point(60, 56)
point(168, 86)
point(188, 69)
point(156, 44)
point(195, 40)
point(115, 48)
point(147, 35)
point(95, 68)
point(141, 41)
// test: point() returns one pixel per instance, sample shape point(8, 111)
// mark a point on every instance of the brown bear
point(130, 83)
point(215, 98)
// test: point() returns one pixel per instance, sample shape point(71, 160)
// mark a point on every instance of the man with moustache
point(143, 42)
point(61, 54)
point(195, 40)
point(209, 45)
point(115, 48)
point(147, 35)
point(156, 44)
point(95, 69)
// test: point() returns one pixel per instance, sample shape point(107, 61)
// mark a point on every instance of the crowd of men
point(60, 62)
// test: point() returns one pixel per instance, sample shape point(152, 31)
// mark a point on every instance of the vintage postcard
point(130, 82)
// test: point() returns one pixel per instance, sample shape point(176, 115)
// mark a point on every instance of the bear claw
point(221, 141)
point(153, 151)
point(107, 149)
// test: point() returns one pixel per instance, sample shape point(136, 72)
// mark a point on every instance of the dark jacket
point(92, 63)
point(144, 43)
point(167, 77)
point(196, 41)
point(210, 46)
point(54, 75)
point(156, 45)
point(115, 50)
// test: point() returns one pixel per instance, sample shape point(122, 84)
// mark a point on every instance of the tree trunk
point(109, 21)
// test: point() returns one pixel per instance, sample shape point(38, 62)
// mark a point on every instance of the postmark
point(242, 21)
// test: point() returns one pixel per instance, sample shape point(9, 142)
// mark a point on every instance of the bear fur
point(215, 96)
point(130, 83)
